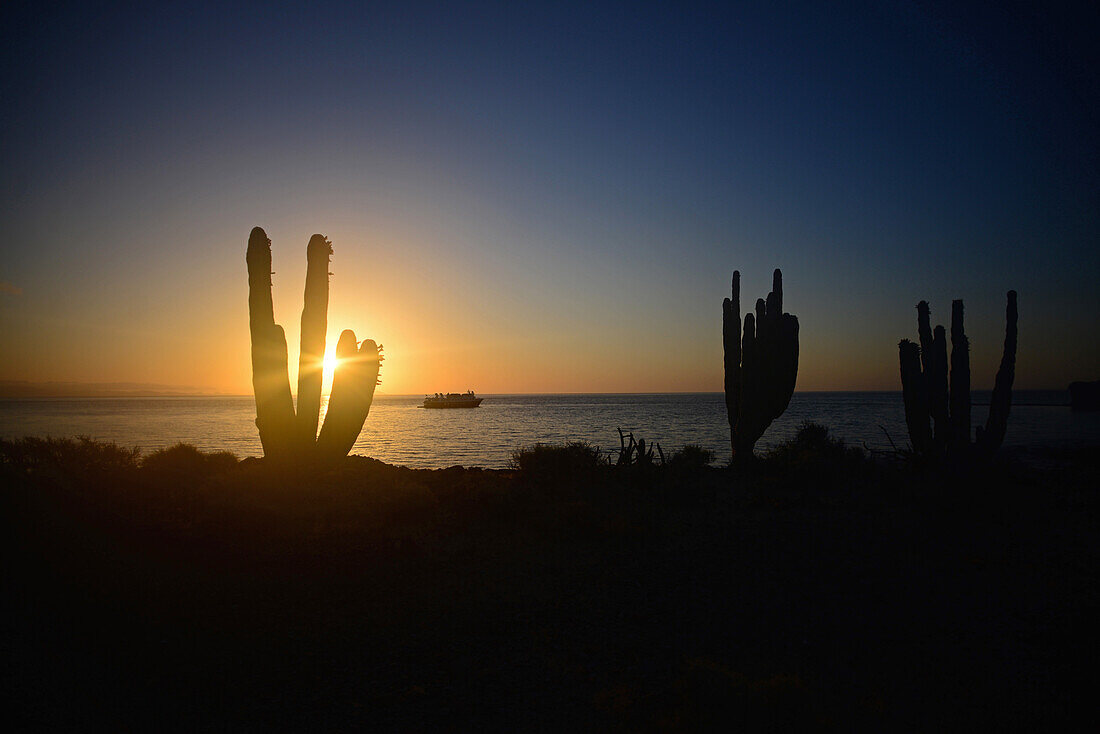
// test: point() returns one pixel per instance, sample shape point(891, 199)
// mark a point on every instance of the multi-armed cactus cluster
point(929, 397)
point(636, 451)
point(284, 434)
point(761, 364)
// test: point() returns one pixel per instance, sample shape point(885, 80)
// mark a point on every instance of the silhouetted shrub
point(545, 461)
point(816, 453)
point(185, 461)
point(691, 457)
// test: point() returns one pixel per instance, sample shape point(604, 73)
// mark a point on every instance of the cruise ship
point(452, 400)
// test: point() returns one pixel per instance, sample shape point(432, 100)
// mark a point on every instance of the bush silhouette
point(184, 460)
point(691, 457)
point(545, 461)
point(813, 454)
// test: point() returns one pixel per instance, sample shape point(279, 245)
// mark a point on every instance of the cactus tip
point(258, 241)
point(318, 244)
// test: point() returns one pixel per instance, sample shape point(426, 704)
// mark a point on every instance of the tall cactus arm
point(351, 397)
point(782, 351)
point(960, 382)
point(774, 303)
point(924, 333)
point(750, 424)
point(936, 410)
point(933, 358)
point(786, 372)
point(1000, 403)
point(731, 348)
point(938, 400)
point(915, 396)
point(261, 310)
point(314, 325)
point(274, 407)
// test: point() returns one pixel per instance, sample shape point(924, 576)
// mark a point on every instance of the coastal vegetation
point(818, 587)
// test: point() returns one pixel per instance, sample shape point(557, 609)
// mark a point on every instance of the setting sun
point(330, 364)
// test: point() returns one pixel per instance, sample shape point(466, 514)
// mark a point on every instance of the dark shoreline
point(820, 589)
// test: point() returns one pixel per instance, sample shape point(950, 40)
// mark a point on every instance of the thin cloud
point(6, 287)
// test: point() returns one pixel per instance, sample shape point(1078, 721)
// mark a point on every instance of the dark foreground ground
point(818, 590)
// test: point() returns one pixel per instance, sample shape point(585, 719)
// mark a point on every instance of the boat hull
point(428, 403)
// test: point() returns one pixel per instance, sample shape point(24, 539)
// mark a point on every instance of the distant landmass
point(26, 389)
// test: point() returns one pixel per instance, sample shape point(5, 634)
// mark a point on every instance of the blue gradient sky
point(547, 198)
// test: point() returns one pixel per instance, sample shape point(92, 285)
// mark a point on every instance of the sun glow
point(330, 363)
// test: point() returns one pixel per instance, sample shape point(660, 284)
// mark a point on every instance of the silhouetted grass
point(815, 589)
point(29, 456)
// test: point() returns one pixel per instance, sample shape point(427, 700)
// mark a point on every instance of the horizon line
point(175, 394)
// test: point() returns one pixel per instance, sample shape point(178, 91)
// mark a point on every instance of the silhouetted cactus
point(314, 324)
point(283, 434)
point(761, 364)
point(636, 451)
point(929, 396)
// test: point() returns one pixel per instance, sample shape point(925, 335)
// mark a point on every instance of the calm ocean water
point(399, 432)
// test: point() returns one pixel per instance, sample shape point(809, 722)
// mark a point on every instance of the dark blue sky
point(587, 161)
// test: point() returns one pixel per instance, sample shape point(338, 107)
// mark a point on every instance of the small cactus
point(284, 434)
point(930, 396)
point(761, 364)
point(636, 451)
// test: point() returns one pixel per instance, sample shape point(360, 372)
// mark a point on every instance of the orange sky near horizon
point(455, 323)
